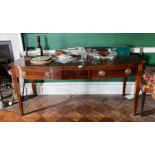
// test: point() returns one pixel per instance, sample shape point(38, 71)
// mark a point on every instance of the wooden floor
point(83, 108)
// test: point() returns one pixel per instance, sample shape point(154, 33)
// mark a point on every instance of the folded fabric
point(149, 78)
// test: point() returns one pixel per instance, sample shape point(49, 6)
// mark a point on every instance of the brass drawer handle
point(23, 73)
point(127, 71)
point(49, 74)
point(101, 73)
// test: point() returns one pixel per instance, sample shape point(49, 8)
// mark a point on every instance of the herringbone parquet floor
point(83, 108)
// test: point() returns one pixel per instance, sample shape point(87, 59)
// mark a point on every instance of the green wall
point(65, 40)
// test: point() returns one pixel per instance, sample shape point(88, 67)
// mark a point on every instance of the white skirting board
point(80, 88)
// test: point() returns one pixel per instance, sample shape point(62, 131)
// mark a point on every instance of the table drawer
point(39, 73)
point(74, 74)
point(112, 72)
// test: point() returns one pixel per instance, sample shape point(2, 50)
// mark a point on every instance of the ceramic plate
point(41, 58)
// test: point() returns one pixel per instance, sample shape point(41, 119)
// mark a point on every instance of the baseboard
point(80, 88)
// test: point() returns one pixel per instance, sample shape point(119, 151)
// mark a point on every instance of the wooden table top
point(133, 59)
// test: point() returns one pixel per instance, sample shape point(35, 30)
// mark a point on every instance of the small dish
point(41, 60)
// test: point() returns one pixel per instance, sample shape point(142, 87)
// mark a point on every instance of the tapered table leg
point(143, 101)
point(137, 86)
point(23, 87)
point(34, 88)
point(124, 86)
point(17, 90)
